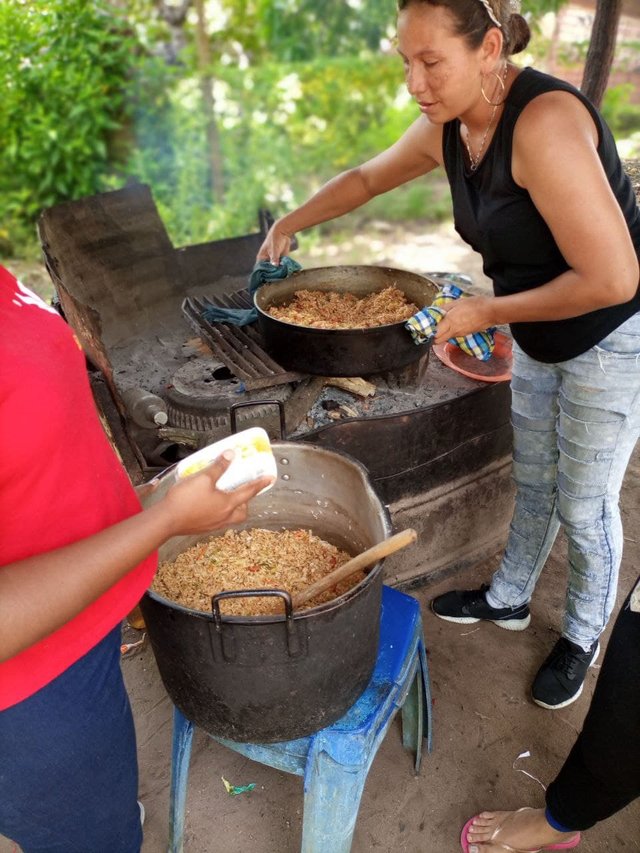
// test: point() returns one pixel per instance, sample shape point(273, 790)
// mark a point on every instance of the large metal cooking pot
point(274, 678)
point(342, 352)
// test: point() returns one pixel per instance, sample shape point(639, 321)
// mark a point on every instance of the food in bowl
point(322, 309)
point(252, 559)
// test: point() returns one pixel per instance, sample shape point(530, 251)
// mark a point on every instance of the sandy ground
point(483, 717)
point(483, 721)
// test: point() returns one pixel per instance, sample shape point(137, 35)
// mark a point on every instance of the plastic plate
point(495, 369)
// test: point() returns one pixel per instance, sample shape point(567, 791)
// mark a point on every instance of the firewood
point(354, 384)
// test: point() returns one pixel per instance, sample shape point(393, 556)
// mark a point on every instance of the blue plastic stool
point(335, 761)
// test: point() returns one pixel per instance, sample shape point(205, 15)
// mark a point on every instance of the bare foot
point(526, 829)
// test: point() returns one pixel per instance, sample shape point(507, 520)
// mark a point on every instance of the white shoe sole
point(507, 624)
point(562, 704)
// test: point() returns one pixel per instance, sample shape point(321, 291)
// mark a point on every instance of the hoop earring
point(500, 79)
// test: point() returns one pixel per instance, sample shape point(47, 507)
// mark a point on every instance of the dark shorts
point(68, 769)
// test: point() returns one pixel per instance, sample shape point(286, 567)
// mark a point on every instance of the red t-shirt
point(60, 480)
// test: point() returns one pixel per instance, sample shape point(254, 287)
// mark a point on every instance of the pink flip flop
point(563, 845)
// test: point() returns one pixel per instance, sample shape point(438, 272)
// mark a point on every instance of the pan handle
point(249, 593)
point(233, 410)
point(293, 644)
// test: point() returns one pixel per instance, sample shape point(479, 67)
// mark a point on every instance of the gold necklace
point(474, 159)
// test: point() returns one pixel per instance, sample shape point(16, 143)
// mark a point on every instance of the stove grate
point(240, 349)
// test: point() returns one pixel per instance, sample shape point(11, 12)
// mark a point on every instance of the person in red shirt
point(76, 554)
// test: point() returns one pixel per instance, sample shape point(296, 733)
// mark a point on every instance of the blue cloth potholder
point(263, 272)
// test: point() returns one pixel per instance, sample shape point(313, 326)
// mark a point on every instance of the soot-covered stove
point(437, 444)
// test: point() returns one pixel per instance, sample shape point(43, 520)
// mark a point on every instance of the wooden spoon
point(366, 558)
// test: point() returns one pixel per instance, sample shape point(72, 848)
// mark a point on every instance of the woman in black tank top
point(529, 161)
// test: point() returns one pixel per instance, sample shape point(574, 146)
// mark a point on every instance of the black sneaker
point(468, 606)
point(560, 679)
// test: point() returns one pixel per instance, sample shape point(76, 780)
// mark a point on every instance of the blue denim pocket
point(624, 341)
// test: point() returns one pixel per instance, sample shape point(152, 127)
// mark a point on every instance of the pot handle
point(293, 644)
point(233, 410)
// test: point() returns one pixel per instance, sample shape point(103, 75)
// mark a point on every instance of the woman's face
point(443, 74)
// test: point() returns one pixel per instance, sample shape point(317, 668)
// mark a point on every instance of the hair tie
point(491, 13)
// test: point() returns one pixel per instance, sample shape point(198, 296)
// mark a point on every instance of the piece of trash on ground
point(234, 790)
point(527, 754)
point(127, 648)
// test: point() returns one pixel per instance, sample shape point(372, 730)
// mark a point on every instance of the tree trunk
point(206, 87)
point(601, 50)
point(174, 17)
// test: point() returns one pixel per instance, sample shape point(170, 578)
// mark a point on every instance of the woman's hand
point(276, 244)
point(143, 490)
point(196, 505)
point(39, 594)
point(465, 316)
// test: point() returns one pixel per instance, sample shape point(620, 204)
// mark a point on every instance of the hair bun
point(519, 33)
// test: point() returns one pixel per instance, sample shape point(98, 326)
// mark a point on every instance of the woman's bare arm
point(40, 594)
point(417, 152)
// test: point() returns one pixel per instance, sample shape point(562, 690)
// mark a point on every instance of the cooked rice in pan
point(252, 559)
point(331, 310)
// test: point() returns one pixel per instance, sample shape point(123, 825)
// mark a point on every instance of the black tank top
point(499, 220)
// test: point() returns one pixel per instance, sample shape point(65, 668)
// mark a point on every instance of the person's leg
point(534, 525)
point(598, 428)
point(525, 829)
point(68, 774)
point(602, 773)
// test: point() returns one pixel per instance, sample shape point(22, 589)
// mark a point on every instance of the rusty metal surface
point(240, 349)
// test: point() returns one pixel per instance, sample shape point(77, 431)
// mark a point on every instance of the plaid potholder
point(422, 325)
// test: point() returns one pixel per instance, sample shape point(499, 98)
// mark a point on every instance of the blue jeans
point(68, 769)
point(575, 425)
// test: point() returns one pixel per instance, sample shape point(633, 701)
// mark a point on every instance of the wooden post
point(601, 50)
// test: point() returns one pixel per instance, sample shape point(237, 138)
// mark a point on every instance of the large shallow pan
point(342, 352)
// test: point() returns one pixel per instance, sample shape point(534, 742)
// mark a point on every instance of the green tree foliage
point(285, 128)
point(302, 30)
point(103, 92)
point(535, 8)
point(63, 71)
point(316, 95)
